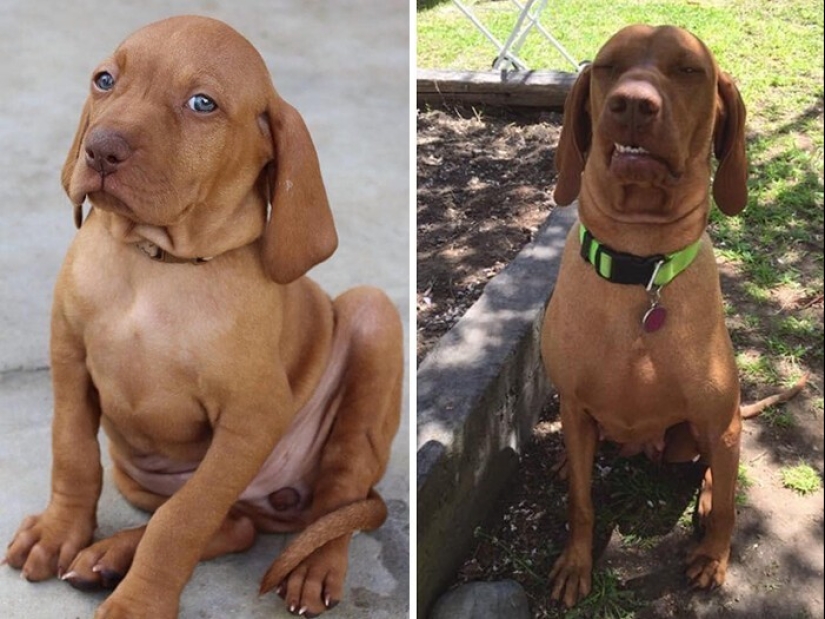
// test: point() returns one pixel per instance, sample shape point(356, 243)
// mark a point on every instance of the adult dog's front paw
point(571, 576)
point(46, 544)
point(707, 569)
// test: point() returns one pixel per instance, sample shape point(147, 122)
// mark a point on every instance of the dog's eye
point(688, 70)
point(202, 104)
point(104, 81)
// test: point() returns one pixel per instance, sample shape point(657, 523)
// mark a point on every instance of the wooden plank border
point(541, 89)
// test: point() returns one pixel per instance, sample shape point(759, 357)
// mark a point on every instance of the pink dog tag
point(654, 318)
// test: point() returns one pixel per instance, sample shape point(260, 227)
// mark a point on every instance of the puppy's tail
point(753, 410)
point(364, 515)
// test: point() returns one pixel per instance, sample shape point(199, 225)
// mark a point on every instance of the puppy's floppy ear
point(71, 161)
point(574, 142)
point(730, 185)
point(301, 232)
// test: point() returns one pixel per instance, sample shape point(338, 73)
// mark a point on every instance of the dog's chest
point(628, 406)
point(142, 331)
point(153, 350)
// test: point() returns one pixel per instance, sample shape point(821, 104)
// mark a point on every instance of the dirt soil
point(484, 187)
point(485, 182)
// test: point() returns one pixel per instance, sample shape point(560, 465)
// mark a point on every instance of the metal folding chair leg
point(527, 19)
point(535, 23)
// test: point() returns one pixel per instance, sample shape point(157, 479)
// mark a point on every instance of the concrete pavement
point(345, 67)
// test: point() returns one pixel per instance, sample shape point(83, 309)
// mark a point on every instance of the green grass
point(520, 563)
point(779, 418)
point(801, 478)
point(447, 39)
point(685, 520)
point(607, 600)
point(756, 367)
point(743, 482)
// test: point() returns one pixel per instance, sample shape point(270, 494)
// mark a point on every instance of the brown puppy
point(634, 337)
point(235, 394)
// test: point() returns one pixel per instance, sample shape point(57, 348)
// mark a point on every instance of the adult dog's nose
point(634, 104)
point(106, 150)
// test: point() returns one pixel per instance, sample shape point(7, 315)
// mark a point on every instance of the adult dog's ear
point(574, 142)
point(71, 161)
point(730, 185)
point(301, 232)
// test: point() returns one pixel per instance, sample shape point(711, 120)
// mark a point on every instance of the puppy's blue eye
point(202, 104)
point(104, 81)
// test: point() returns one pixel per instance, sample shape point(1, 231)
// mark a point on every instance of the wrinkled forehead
point(193, 49)
point(668, 44)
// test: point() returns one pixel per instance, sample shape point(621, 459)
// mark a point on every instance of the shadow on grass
point(424, 5)
point(775, 288)
point(483, 189)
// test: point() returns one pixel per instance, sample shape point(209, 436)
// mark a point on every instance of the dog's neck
point(663, 231)
point(160, 255)
point(188, 241)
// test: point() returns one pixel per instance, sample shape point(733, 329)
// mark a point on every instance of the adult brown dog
point(634, 337)
point(235, 394)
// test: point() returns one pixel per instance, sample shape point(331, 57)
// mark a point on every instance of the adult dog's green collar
point(622, 268)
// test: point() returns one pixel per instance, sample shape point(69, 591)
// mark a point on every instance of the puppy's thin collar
point(621, 268)
point(161, 255)
point(146, 247)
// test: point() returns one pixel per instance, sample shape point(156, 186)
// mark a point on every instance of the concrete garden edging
point(480, 391)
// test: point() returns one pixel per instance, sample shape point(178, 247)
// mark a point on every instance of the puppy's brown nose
point(634, 104)
point(106, 150)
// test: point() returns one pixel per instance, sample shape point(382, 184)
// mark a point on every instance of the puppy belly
point(280, 494)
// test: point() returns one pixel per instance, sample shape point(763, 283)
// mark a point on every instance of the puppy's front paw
point(104, 564)
point(46, 544)
point(317, 584)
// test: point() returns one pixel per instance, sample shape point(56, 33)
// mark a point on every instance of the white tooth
point(635, 150)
